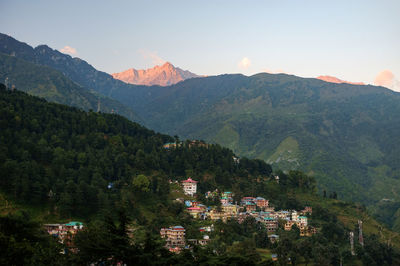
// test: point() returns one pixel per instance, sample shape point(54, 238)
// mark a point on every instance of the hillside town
point(256, 207)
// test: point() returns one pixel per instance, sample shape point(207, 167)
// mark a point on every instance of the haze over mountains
point(163, 75)
point(346, 135)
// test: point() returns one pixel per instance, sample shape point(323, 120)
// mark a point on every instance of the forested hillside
point(55, 87)
point(114, 174)
point(54, 153)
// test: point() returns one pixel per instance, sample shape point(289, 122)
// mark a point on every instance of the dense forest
point(115, 175)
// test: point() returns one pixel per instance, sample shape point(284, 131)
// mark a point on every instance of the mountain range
point(345, 135)
point(163, 75)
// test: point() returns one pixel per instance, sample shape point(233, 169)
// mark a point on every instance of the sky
point(353, 40)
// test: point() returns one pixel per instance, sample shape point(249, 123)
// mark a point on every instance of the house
point(194, 211)
point(289, 224)
point(273, 238)
point(169, 145)
point(261, 202)
point(224, 200)
point(227, 194)
point(215, 215)
point(174, 237)
point(250, 206)
point(308, 231)
point(271, 224)
point(64, 232)
point(307, 210)
point(189, 186)
point(303, 220)
point(206, 239)
point(197, 143)
point(245, 200)
point(295, 216)
point(283, 215)
point(230, 209)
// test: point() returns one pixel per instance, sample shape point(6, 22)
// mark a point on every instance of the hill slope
point(164, 75)
point(54, 86)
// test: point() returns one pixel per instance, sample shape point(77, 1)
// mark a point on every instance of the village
point(256, 207)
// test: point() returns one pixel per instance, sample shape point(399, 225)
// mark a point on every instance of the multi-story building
point(189, 186)
point(174, 237)
point(271, 224)
point(261, 202)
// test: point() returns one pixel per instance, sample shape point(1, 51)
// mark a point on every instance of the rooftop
point(189, 180)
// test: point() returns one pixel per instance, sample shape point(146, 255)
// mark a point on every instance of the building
point(303, 220)
point(307, 210)
point(215, 215)
point(245, 200)
point(289, 224)
point(195, 211)
point(250, 206)
point(197, 143)
point(271, 224)
point(64, 232)
point(224, 200)
point(169, 145)
point(174, 238)
point(189, 186)
point(230, 209)
point(273, 238)
point(295, 216)
point(261, 202)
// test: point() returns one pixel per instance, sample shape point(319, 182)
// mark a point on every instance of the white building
point(189, 186)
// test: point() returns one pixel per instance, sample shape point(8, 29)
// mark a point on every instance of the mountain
point(336, 80)
point(54, 86)
point(164, 75)
point(20, 66)
point(345, 135)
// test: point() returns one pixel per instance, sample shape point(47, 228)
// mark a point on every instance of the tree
point(141, 183)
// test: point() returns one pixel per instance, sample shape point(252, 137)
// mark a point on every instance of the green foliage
point(87, 160)
point(141, 183)
point(23, 242)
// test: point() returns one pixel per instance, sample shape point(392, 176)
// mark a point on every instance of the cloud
point(152, 56)
point(68, 50)
point(244, 63)
point(387, 79)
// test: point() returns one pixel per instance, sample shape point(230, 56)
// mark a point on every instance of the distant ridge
point(336, 80)
point(163, 75)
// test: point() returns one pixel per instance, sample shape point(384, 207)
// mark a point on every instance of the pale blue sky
point(353, 40)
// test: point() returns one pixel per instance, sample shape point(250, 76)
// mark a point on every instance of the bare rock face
point(336, 80)
point(164, 75)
